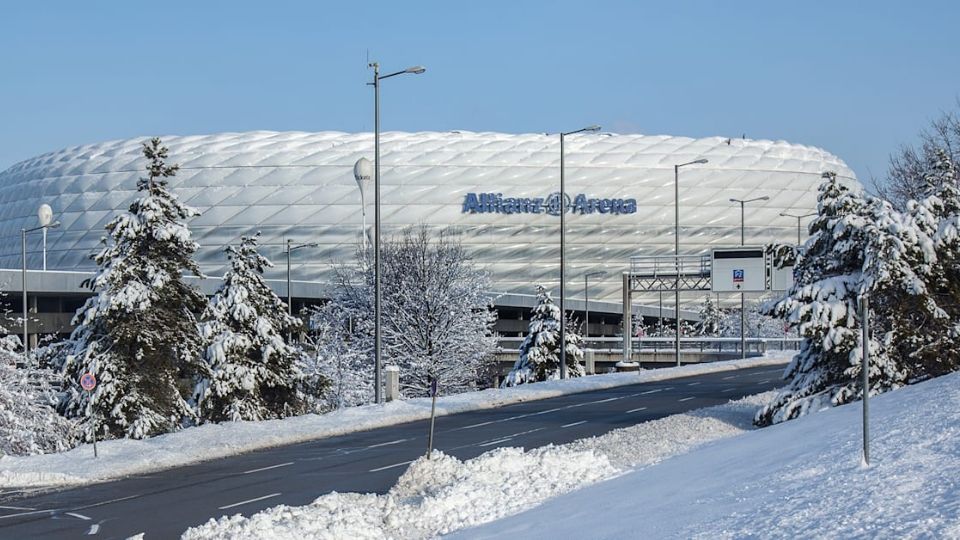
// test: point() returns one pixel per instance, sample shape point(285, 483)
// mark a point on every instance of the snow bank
point(123, 457)
point(442, 495)
point(799, 479)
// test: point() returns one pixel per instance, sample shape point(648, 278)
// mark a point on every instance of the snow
point(123, 457)
point(797, 479)
point(442, 495)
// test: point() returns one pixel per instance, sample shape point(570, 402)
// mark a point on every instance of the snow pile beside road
point(798, 479)
point(432, 497)
point(444, 494)
point(124, 457)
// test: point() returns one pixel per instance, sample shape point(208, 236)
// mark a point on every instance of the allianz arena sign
point(496, 203)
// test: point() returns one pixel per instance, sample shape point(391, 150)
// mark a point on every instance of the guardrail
point(661, 344)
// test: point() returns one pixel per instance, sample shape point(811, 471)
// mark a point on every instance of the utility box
point(741, 269)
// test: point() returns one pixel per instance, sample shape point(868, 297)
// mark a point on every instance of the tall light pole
point(586, 302)
point(363, 174)
point(377, 349)
point(44, 225)
point(743, 301)
point(798, 218)
point(676, 246)
point(291, 247)
point(563, 246)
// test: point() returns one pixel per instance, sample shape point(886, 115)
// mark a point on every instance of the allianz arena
point(494, 188)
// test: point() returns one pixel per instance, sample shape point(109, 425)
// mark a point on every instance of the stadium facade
point(499, 191)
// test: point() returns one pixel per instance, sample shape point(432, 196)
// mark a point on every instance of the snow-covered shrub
point(28, 422)
point(138, 333)
point(539, 358)
point(249, 372)
point(337, 371)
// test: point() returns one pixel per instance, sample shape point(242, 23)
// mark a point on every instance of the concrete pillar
point(392, 374)
point(590, 358)
point(627, 322)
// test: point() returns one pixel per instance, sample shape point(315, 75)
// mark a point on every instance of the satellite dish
point(45, 215)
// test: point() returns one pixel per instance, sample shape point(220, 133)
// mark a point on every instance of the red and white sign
point(88, 382)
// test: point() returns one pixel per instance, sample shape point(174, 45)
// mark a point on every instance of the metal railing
point(704, 344)
point(670, 265)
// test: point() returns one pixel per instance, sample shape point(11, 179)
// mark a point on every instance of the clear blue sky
point(856, 78)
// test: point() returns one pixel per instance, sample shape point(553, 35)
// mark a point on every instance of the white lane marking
point(496, 441)
point(391, 466)
point(764, 382)
point(729, 390)
point(574, 424)
point(94, 529)
point(16, 508)
point(78, 516)
point(53, 510)
point(668, 389)
point(471, 426)
point(398, 441)
point(686, 399)
point(651, 391)
point(268, 468)
point(730, 377)
point(637, 409)
point(603, 400)
point(693, 384)
point(270, 496)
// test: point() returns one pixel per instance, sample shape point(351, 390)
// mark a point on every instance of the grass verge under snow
point(444, 494)
point(124, 457)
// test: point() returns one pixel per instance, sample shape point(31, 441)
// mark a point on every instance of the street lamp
point(676, 246)
point(378, 367)
point(45, 223)
point(563, 245)
point(363, 174)
point(586, 302)
point(798, 218)
point(45, 217)
point(743, 302)
point(290, 248)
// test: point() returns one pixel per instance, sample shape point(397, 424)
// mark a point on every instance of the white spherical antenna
point(45, 215)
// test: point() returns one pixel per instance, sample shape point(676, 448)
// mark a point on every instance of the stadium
point(498, 191)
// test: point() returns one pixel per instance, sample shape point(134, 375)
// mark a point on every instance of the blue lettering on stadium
point(496, 203)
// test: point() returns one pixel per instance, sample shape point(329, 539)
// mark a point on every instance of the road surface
point(163, 504)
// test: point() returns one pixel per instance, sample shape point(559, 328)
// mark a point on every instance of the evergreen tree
point(822, 303)
point(540, 351)
point(711, 318)
point(248, 372)
point(138, 333)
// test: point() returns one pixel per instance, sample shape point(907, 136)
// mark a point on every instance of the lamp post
point(290, 248)
point(798, 218)
point(743, 302)
point(44, 225)
point(586, 302)
point(563, 245)
point(45, 217)
point(363, 174)
point(378, 360)
point(676, 246)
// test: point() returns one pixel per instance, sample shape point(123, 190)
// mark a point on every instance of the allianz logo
point(496, 203)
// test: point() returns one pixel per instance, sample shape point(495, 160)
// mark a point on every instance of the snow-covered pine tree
point(539, 358)
point(711, 317)
point(138, 333)
point(823, 303)
point(935, 349)
point(248, 371)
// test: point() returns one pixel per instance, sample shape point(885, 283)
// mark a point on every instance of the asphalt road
point(165, 503)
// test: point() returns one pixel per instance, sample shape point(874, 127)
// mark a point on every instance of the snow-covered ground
point(123, 457)
point(445, 494)
point(799, 479)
